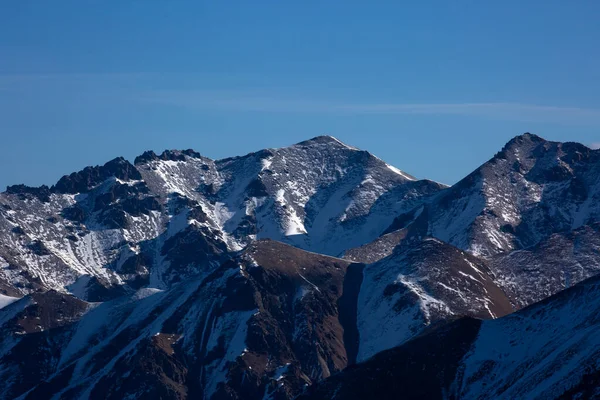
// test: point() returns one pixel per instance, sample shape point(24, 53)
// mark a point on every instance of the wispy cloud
point(139, 88)
point(594, 146)
point(240, 101)
point(70, 76)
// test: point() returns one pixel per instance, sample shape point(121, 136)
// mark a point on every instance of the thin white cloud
point(594, 146)
point(239, 101)
point(135, 87)
point(70, 76)
point(473, 108)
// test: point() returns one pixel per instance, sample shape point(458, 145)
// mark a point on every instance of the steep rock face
point(528, 191)
point(90, 177)
point(546, 351)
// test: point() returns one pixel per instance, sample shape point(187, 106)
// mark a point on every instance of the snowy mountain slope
point(423, 283)
point(527, 275)
point(554, 264)
point(121, 226)
point(178, 293)
point(267, 322)
point(320, 194)
point(531, 212)
point(116, 233)
point(249, 329)
point(528, 191)
point(546, 351)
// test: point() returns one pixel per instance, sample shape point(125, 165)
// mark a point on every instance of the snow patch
point(266, 163)
point(292, 223)
point(6, 300)
point(146, 292)
point(427, 302)
point(399, 172)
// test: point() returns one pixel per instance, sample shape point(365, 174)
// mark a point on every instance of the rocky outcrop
point(90, 177)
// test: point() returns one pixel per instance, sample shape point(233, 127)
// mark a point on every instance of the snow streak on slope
point(6, 300)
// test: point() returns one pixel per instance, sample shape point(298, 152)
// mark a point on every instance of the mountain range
point(311, 271)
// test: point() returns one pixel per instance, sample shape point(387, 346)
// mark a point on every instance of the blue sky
point(434, 88)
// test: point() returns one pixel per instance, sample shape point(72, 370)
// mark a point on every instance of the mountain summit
point(117, 223)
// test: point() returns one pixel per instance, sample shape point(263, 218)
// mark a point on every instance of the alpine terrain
point(314, 271)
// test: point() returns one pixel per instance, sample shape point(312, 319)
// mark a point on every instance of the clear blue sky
point(434, 88)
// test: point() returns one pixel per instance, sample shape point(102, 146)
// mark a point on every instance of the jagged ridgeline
point(315, 269)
